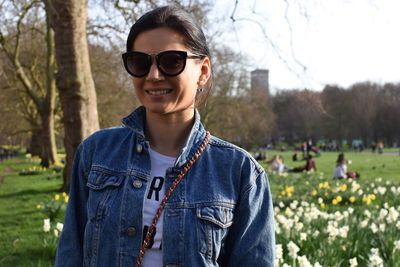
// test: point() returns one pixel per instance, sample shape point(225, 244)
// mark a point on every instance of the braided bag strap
point(174, 184)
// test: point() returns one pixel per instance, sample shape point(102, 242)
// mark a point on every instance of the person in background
point(309, 166)
point(341, 172)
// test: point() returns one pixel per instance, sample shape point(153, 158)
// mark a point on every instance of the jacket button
point(137, 184)
point(131, 231)
point(139, 148)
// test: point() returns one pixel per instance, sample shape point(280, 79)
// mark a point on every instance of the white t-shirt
point(154, 194)
point(340, 171)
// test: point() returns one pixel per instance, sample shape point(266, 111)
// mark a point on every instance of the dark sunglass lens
point(138, 64)
point(172, 62)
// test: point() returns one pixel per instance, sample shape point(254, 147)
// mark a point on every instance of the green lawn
point(23, 242)
point(370, 166)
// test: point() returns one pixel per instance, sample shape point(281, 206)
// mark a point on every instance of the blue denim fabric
point(221, 213)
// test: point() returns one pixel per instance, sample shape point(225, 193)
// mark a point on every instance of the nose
point(154, 73)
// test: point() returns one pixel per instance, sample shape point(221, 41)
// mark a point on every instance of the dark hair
point(340, 158)
point(181, 21)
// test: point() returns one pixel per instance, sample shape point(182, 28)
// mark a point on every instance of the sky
point(312, 43)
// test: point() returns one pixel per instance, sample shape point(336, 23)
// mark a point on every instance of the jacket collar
point(136, 121)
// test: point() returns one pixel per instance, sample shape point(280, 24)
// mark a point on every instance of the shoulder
point(107, 139)
point(233, 154)
point(107, 135)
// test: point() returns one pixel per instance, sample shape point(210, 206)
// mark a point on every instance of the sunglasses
point(170, 63)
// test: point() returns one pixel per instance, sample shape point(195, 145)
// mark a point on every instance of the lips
point(158, 92)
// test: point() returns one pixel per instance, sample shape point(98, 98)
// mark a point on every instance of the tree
point(39, 88)
point(74, 77)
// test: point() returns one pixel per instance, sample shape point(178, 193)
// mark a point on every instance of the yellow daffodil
point(56, 197)
point(343, 187)
point(334, 201)
point(322, 205)
point(66, 198)
point(314, 193)
point(339, 198)
point(352, 199)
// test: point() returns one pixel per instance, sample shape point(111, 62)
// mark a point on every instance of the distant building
point(260, 80)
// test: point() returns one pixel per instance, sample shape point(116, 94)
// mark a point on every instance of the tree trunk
point(74, 77)
point(35, 146)
point(48, 106)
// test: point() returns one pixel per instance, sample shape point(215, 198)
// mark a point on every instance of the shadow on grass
point(29, 192)
point(36, 257)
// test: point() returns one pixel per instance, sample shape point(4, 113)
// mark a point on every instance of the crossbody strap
point(174, 184)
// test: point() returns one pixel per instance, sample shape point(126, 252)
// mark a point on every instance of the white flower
point(298, 226)
point(393, 215)
point(60, 226)
point(382, 227)
point(353, 262)
point(367, 213)
point(303, 236)
point(285, 265)
point(364, 223)
point(293, 249)
point(56, 232)
point(317, 264)
point(278, 253)
point(374, 258)
point(46, 225)
point(277, 210)
point(374, 228)
point(289, 212)
point(382, 214)
point(397, 245)
point(398, 225)
point(294, 204)
point(304, 262)
point(350, 210)
point(354, 186)
point(316, 233)
point(343, 231)
point(281, 205)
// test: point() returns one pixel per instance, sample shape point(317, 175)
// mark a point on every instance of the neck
point(167, 133)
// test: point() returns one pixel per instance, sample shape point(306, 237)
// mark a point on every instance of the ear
point(205, 72)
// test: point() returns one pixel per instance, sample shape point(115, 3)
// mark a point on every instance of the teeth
point(158, 92)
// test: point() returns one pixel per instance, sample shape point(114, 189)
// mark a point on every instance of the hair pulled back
point(177, 19)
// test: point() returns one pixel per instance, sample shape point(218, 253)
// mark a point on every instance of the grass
point(23, 242)
point(21, 237)
point(370, 166)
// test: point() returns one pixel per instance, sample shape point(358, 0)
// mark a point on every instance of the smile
point(159, 92)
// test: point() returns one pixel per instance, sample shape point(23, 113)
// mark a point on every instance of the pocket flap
point(219, 215)
point(99, 181)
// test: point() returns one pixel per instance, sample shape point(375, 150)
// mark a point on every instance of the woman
point(220, 212)
point(341, 171)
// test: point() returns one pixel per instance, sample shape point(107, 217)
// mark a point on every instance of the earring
point(199, 90)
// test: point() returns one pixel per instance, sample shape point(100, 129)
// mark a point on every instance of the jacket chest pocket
point(212, 227)
point(103, 191)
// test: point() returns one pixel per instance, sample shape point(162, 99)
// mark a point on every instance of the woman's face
point(163, 94)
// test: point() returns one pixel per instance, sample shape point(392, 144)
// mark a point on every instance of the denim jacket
point(220, 214)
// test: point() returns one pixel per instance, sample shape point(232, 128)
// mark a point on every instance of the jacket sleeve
point(70, 246)
point(251, 239)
